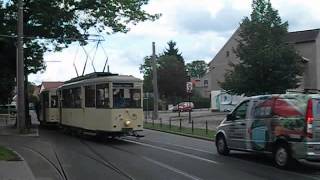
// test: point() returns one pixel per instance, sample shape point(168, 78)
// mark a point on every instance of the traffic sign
point(189, 87)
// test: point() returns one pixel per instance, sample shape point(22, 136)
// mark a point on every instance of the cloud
point(198, 20)
point(200, 28)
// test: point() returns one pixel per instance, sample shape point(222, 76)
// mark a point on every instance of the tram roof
point(101, 77)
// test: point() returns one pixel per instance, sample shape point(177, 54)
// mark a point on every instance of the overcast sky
point(200, 28)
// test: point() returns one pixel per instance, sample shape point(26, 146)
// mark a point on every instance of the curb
point(20, 165)
point(182, 134)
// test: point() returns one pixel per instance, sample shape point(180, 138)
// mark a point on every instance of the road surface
point(157, 156)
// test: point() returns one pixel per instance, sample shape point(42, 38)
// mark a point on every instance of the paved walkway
point(16, 170)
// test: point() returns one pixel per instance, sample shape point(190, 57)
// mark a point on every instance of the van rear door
point(316, 120)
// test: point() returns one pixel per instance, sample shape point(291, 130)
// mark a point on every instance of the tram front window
point(126, 98)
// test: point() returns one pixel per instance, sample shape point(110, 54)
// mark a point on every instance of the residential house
point(307, 44)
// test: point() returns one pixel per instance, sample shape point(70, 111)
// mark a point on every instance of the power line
point(101, 38)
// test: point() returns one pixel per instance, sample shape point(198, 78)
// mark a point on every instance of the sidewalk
point(15, 170)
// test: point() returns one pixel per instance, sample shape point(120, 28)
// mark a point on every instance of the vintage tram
point(49, 112)
point(101, 103)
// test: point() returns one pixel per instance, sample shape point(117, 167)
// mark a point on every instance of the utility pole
point(155, 83)
point(21, 124)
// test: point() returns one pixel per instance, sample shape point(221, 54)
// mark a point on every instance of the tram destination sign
point(123, 85)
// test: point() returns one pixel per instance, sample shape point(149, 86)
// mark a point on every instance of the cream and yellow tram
point(102, 103)
point(49, 112)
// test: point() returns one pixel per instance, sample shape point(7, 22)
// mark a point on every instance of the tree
point(172, 78)
point(55, 24)
point(267, 64)
point(173, 51)
point(146, 70)
point(7, 70)
point(197, 68)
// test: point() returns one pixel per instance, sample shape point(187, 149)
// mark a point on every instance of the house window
point(227, 53)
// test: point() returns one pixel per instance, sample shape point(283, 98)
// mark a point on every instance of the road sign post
point(189, 91)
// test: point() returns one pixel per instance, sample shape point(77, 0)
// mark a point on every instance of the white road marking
point(173, 151)
point(172, 168)
point(185, 147)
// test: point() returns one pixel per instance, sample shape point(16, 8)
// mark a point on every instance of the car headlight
point(127, 123)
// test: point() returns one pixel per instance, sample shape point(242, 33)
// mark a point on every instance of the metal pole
point(155, 83)
point(20, 70)
point(189, 109)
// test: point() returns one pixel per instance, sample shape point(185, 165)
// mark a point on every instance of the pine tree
point(173, 51)
point(267, 63)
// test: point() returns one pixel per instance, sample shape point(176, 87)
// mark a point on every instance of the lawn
point(7, 155)
point(198, 133)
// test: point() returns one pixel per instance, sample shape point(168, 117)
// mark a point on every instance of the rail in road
point(156, 156)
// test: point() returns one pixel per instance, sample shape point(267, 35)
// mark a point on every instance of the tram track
point(105, 162)
point(59, 169)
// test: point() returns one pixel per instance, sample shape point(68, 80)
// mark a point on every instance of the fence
point(7, 119)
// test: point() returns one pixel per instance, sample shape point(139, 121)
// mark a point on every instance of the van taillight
point(309, 118)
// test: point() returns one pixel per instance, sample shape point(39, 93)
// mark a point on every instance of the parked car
point(183, 107)
point(286, 126)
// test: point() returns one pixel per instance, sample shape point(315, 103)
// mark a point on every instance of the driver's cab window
point(241, 111)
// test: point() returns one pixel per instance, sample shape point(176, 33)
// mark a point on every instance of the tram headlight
point(127, 122)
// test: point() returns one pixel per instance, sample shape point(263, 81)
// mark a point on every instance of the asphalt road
point(158, 155)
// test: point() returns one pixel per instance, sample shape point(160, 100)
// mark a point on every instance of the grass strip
point(186, 131)
point(7, 155)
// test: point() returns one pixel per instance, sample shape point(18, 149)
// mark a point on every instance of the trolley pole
point(155, 83)
point(20, 71)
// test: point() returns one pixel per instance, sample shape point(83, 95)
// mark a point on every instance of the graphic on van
point(276, 116)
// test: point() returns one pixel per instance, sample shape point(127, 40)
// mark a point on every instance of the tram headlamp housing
point(127, 122)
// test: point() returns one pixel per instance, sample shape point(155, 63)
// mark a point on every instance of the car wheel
point(282, 156)
point(221, 145)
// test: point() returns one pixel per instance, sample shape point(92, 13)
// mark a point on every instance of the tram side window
point(90, 96)
point(102, 94)
point(54, 101)
point(66, 95)
point(72, 98)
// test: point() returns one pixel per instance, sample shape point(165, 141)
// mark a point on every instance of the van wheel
point(221, 145)
point(282, 156)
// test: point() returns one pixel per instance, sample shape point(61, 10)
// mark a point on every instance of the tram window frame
point(103, 96)
point(90, 96)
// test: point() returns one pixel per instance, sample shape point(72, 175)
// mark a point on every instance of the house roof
point(303, 36)
point(50, 85)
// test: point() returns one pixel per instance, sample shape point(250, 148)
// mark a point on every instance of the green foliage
point(267, 63)
point(7, 70)
point(200, 102)
point(173, 51)
point(51, 25)
point(197, 68)
point(8, 155)
point(172, 77)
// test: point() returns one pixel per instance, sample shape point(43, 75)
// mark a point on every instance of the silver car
point(286, 126)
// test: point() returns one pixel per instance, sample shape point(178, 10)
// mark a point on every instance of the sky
point(199, 27)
